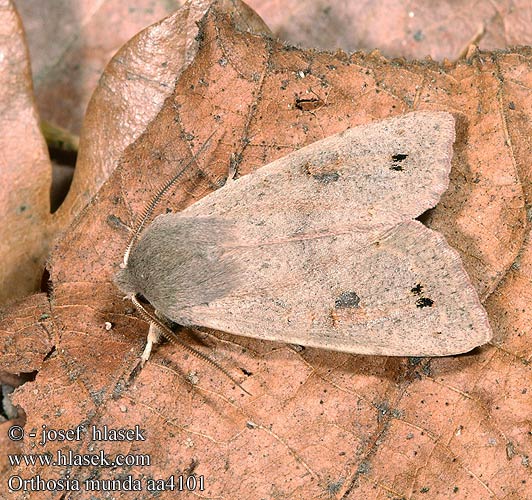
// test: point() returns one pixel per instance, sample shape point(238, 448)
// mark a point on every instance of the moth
point(319, 248)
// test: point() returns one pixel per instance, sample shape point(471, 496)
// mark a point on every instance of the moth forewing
point(320, 248)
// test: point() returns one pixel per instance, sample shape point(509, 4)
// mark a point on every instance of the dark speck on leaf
point(414, 360)
point(347, 299)
point(418, 36)
point(307, 104)
point(115, 222)
point(364, 467)
point(334, 487)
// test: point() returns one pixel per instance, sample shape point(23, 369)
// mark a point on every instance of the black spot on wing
point(397, 159)
point(424, 302)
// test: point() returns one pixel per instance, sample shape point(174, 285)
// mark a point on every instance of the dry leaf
point(130, 94)
point(319, 424)
point(25, 173)
point(132, 90)
point(413, 29)
point(71, 43)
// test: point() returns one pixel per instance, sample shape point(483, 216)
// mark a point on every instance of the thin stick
point(173, 338)
point(150, 207)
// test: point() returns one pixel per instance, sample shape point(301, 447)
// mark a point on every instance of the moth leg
point(154, 336)
point(154, 320)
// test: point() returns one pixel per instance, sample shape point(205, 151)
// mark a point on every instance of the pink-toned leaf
point(318, 424)
point(25, 171)
point(413, 29)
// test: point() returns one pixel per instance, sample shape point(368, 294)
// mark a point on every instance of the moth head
point(125, 280)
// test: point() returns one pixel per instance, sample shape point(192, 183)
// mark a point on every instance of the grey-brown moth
point(320, 248)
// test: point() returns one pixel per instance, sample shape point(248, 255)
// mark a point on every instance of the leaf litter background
point(319, 424)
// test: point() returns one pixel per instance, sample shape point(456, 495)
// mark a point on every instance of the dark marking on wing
point(421, 301)
point(327, 177)
point(347, 299)
point(397, 159)
point(324, 170)
point(424, 302)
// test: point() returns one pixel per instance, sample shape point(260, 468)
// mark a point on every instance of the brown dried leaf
point(319, 424)
point(413, 29)
point(26, 334)
point(25, 172)
point(71, 43)
point(131, 92)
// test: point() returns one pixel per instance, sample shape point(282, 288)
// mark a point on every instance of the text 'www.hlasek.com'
point(108, 472)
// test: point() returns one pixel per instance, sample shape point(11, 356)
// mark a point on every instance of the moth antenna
point(150, 207)
point(174, 339)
